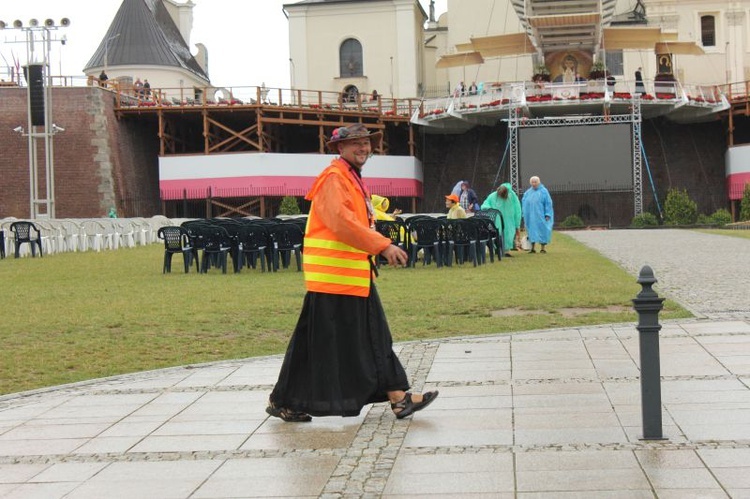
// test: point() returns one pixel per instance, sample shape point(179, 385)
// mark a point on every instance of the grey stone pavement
point(540, 414)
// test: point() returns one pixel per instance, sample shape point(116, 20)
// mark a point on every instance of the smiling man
point(340, 357)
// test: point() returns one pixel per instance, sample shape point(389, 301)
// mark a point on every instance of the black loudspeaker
point(34, 74)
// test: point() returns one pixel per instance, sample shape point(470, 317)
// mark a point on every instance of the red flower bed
point(491, 103)
point(540, 98)
point(434, 112)
point(622, 95)
point(664, 95)
point(647, 97)
point(591, 95)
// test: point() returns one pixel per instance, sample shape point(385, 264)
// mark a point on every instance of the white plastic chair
point(93, 235)
point(73, 235)
point(143, 232)
point(50, 235)
point(111, 234)
point(5, 226)
point(124, 232)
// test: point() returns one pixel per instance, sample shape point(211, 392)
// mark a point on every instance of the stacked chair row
point(447, 241)
point(49, 236)
point(210, 243)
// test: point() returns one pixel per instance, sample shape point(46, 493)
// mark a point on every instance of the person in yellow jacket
point(381, 204)
point(340, 357)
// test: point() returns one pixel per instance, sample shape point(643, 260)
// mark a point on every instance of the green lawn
point(76, 316)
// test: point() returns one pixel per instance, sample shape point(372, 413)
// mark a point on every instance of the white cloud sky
point(247, 40)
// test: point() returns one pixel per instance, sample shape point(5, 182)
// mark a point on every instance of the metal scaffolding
point(515, 121)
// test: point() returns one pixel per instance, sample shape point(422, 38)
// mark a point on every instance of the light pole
point(291, 79)
point(106, 50)
point(39, 113)
point(391, 87)
point(727, 70)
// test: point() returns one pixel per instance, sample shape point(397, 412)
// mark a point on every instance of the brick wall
point(99, 162)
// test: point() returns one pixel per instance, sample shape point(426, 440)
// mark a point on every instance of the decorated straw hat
point(355, 131)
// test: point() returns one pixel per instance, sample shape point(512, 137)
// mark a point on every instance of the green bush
point(289, 206)
point(679, 209)
point(704, 220)
point(572, 221)
point(721, 217)
point(645, 220)
point(745, 205)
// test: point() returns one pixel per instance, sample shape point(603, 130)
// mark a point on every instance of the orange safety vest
point(329, 265)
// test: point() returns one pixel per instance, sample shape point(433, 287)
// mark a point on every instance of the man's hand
point(395, 256)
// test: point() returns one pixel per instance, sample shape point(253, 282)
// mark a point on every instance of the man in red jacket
point(340, 357)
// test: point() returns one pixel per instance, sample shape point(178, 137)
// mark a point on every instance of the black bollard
point(648, 304)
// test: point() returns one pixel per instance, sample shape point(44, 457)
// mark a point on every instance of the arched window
point(350, 58)
point(708, 31)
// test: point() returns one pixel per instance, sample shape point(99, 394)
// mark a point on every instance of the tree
point(289, 206)
point(679, 209)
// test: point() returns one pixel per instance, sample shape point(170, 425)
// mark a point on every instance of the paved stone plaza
point(540, 414)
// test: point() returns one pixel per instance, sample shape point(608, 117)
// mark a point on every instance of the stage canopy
point(635, 38)
point(682, 48)
point(458, 60)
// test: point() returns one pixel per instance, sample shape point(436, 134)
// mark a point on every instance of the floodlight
point(49, 23)
point(17, 23)
point(65, 22)
point(33, 23)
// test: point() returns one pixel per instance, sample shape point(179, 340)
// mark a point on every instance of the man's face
point(534, 183)
point(448, 203)
point(356, 151)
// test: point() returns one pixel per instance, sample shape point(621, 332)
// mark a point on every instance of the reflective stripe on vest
point(334, 267)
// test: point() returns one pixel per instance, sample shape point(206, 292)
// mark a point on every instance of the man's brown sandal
point(287, 415)
point(407, 407)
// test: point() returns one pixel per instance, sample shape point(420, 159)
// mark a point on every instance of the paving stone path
point(540, 414)
point(708, 274)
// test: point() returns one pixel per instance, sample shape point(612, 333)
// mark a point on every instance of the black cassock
point(340, 357)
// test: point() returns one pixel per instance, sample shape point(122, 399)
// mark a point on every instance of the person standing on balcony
point(340, 357)
point(639, 88)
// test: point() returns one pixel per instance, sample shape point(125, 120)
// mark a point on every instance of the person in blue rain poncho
point(538, 214)
point(506, 202)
